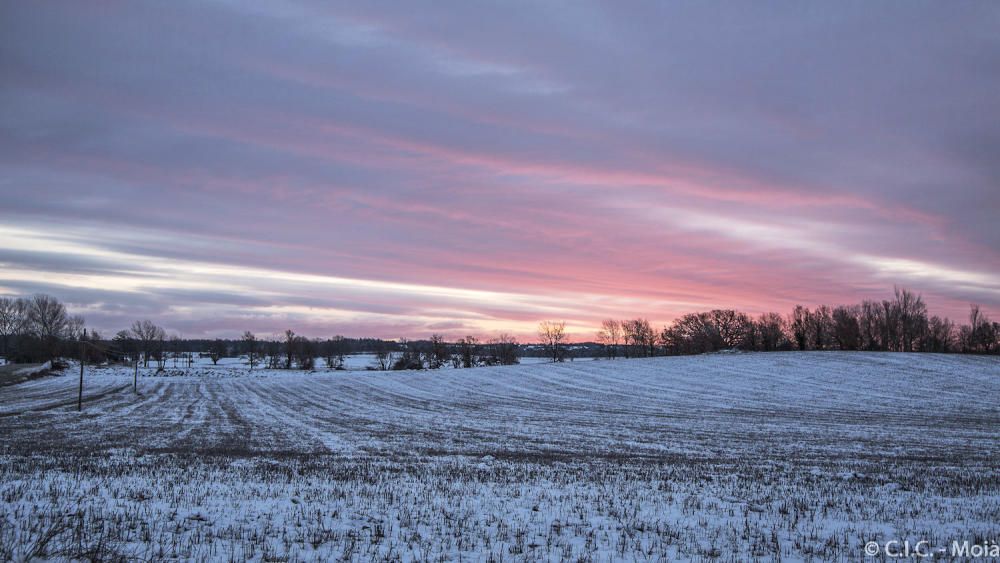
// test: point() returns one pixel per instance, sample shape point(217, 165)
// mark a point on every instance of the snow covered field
point(736, 457)
point(352, 362)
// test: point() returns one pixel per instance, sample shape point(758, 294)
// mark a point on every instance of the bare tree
point(732, 327)
point(437, 355)
point(981, 334)
point(647, 337)
point(912, 314)
point(610, 336)
point(125, 343)
point(638, 337)
point(976, 317)
point(410, 357)
point(175, 348)
point(694, 333)
point(76, 327)
point(821, 327)
point(160, 349)
point(13, 320)
point(552, 334)
point(769, 331)
point(871, 321)
point(76, 331)
point(335, 352)
point(47, 321)
point(304, 353)
point(502, 351)
point(273, 348)
point(289, 348)
point(146, 334)
point(799, 322)
point(846, 329)
point(217, 351)
point(890, 326)
point(340, 349)
point(468, 352)
point(383, 356)
point(250, 346)
point(629, 338)
point(941, 335)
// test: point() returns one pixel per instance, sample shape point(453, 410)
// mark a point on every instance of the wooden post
point(135, 378)
point(79, 399)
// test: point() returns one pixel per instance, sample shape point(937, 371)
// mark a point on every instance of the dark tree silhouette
point(552, 334)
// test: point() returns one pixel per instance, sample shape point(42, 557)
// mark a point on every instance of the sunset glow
point(364, 170)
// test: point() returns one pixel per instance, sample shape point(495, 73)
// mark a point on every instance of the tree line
point(900, 324)
point(39, 328)
point(293, 351)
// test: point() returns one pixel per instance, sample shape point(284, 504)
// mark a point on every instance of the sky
point(394, 169)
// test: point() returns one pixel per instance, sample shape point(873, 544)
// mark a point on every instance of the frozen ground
point(352, 362)
point(739, 457)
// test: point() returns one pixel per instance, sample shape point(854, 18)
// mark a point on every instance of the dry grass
point(687, 459)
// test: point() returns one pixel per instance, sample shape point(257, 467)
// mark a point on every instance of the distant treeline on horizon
point(39, 328)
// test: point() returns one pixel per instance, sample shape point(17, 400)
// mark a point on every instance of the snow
point(795, 456)
point(29, 371)
point(352, 362)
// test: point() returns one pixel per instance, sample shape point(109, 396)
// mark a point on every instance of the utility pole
point(79, 399)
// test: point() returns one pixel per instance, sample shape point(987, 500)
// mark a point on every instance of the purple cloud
point(351, 168)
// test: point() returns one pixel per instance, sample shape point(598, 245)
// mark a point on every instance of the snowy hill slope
point(814, 404)
point(791, 457)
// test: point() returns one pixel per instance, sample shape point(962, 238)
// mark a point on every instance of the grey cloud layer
point(744, 152)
